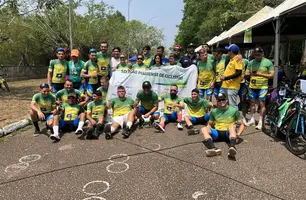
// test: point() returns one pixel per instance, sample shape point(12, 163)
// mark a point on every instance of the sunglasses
point(71, 97)
point(44, 85)
point(139, 58)
point(220, 100)
point(173, 90)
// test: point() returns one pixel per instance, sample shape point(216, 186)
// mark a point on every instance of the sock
point(210, 144)
point(113, 130)
point(36, 126)
point(190, 127)
point(55, 130)
point(162, 125)
point(232, 142)
point(129, 124)
point(179, 117)
point(80, 126)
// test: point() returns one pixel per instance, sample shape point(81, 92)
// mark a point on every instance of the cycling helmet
point(191, 45)
point(177, 47)
point(221, 95)
point(146, 84)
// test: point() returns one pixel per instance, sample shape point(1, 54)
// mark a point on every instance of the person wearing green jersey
point(43, 106)
point(62, 95)
point(123, 114)
point(206, 48)
point(146, 104)
point(103, 60)
point(173, 62)
point(220, 68)
point(104, 81)
point(173, 106)
point(90, 72)
point(57, 72)
point(177, 52)
point(157, 62)
point(198, 111)
point(75, 67)
point(95, 114)
point(221, 127)
point(123, 65)
point(70, 118)
point(260, 71)
point(148, 58)
point(140, 65)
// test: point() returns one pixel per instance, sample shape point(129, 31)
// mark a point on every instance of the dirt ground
point(14, 105)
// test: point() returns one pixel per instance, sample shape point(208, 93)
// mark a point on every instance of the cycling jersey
point(206, 72)
point(148, 60)
point(224, 118)
point(147, 100)
point(63, 95)
point(220, 68)
point(140, 67)
point(121, 107)
point(231, 68)
point(91, 68)
point(103, 61)
point(75, 70)
point(59, 70)
point(168, 102)
point(96, 109)
point(197, 108)
point(103, 92)
point(44, 104)
point(123, 67)
point(71, 112)
point(265, 66)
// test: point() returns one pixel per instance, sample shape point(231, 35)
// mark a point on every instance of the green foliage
point(203, 19)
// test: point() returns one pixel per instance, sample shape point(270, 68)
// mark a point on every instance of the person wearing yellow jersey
point(62, 95)
point(103, 59)
point(140, 65)
point(57, 72)
point(123, 113)
point(90, 72)
point(206, 76)
point(220, 59)
point(232, 75)
point(104, 81)
point(260, 71)
point(123, 65)
point(148, 58)
point(70, 118)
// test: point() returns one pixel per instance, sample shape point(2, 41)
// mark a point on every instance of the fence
point(24, 73)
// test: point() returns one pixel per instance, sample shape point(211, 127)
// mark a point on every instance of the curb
point(14, 127)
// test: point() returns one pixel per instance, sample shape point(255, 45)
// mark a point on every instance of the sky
point(163, 14)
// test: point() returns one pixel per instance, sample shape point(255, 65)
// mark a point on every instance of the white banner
point(161, 80)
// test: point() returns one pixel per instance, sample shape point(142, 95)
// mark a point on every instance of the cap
point(221, 95)
point(92, 50)
point(177, 47)
point(75, 53)
point(191, 45)
point(60, 49)
point(72, 95)
point(146, 84)
point(232, 48)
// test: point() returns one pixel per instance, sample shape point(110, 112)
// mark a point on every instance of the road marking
point(30, 158)
point(149, 145)
point(15, 168)
point(118, 163)
point(95, 182)
point(197, 194)
point(94, 197)
point(119, 156)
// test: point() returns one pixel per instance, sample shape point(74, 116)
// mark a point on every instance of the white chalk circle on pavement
point(117, 156)
point(30, 158)
point(15, 168)
point(108, 168)
point(94, 197)
point(197, 194)
point(151, 145)
point(96, 182)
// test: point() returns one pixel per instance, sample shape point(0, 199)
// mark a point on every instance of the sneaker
point(232, 152)
point(55, 137)
point(36, 133)
point(157, 126)
point(250, 123)
point(193, 131)
point(95, 135)
point(141, 122)
point(126, 133)
point(89, 133)
point(244, 121)
point(179, 126)
point(213, 152)
point(79, 132)
point(259, 126)
point(107, 131)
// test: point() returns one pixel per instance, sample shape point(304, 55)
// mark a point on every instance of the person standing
point(90, 71)
point(103, 59)
point(75, 66)
point(115, 60)
point(140, 65)
point(148, 58)
point(190, 58)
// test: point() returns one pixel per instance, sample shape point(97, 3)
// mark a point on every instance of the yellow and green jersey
point(140, 67)
point(265, 66)
point(147, 100)
point(63, 95)
point(206, 71)
point(96, 109)
point(103, 63)
point(121, 107)
point(123, 67)
point(245, 62)
point(75, 70)
point(197, 108)
point(91, 68)
point(220, 68)
point(231, 68)
point(156, 66)
point(148, 60)
point(168, 102)
point(44, 104)
point(71, 112)
point(224, 118)
point(59, 70)
point(103, 92)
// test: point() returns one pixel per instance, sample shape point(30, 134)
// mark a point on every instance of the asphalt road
point(148, 165)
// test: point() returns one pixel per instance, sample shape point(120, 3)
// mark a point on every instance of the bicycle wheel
point(295, 143)
point(6, 86)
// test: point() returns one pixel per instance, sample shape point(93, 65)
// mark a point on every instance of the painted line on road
point(94, 197)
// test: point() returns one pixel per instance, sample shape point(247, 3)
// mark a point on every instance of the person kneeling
point(70, 118)
point(223, 118)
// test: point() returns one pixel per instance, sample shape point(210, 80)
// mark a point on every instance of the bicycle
point(3, 82)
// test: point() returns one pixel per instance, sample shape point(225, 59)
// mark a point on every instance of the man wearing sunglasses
point(148, 58)
point(222, 127)
point(58, 70)
point(173, 106)
point(71, 118)
point(140, 65)
point(148, 101)
point(103, 59)
point(43, 106)
point(198, 111)
point(260, 71)
point(123, 64)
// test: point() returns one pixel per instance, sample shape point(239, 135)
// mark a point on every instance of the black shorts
point(218, 85)
point(77, 85)
point(58, 86)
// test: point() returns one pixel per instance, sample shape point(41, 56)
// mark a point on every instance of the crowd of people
point(74, 99)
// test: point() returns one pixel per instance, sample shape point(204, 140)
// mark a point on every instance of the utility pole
point(70, 23)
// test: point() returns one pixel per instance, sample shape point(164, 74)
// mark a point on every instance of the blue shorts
point(200, 120)
point(218, 135)
point(170, 117)
point(258, 94)
point(207, 91)
point(243, 91)
point(69, 125)
point(217, 89)
point(143, 111)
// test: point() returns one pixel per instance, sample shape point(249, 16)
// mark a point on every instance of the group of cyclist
point(75, 95)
